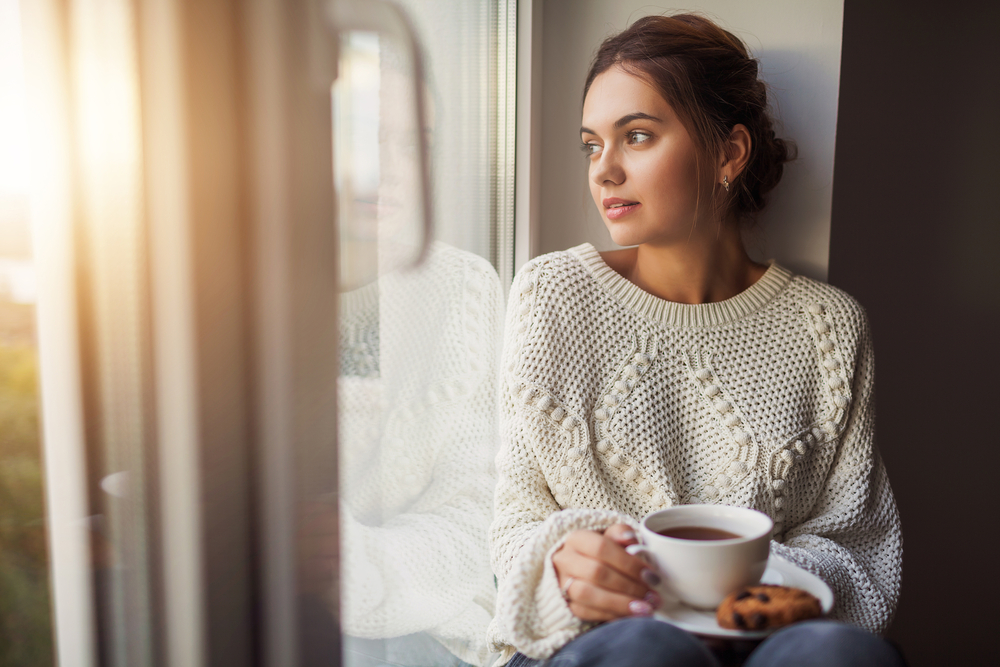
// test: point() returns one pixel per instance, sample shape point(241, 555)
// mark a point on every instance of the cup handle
point(667, 594)
point(641, 551)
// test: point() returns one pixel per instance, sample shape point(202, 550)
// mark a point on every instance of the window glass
point(418, 345)
point(25, 623)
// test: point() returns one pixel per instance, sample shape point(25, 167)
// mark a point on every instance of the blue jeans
point(645, 642)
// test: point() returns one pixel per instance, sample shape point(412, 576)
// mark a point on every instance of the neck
point(692, 272)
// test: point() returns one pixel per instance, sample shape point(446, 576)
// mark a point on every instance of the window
point(226, 241)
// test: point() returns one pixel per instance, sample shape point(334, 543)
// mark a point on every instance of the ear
point(735, 153)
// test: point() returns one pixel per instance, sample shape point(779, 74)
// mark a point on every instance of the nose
point(607, 168)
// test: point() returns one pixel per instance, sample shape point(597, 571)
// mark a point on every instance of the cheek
point(676, 178)
point(687, 169)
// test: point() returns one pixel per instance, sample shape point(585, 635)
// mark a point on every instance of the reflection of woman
point(417, 396)
point(680, 371)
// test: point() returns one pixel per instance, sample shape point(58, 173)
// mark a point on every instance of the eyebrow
point(625, 120)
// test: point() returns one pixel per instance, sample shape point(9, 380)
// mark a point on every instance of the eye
point(636, 137)
point(590, 149)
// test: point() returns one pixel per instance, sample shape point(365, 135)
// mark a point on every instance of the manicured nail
point(653, 599)
point(651, 578)
point(640, 608)
point(628, 535)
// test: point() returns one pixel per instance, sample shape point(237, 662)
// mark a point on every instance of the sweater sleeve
point(417, 499)
point(529, 525)
point(852, 537)
point(422, 568)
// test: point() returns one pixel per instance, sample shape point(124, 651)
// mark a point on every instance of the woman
point(680, 371)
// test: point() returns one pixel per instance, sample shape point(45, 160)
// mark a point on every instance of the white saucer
point(779, 571)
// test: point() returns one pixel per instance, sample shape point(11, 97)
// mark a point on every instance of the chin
point(625, 237)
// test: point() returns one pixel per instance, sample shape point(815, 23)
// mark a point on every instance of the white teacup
point(701, 572)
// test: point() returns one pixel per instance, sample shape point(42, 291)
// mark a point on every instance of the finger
point(608, 602)
point(601, 574)
point(601, 548)
point(621, 534)
point(585, 613)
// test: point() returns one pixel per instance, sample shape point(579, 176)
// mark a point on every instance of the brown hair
point(709, 78)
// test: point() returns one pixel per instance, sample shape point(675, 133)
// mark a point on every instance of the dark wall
point(916, 238)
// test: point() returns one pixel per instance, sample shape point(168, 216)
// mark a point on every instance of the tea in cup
point(705, 552)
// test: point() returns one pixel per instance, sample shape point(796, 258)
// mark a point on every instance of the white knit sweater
point(615, 403)
point(418, 435)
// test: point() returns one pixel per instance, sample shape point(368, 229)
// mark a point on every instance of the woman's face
point(643, 163)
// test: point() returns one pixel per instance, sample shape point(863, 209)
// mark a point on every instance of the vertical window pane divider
point(172, 320)
point(529, 121)
point(275, 475)
point(504, 145)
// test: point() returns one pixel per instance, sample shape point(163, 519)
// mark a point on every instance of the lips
point(615, 208)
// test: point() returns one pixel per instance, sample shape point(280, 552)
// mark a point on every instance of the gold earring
point(725, 183)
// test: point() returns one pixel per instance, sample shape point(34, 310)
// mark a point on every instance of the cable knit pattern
point(418, 435)
point(615, 403)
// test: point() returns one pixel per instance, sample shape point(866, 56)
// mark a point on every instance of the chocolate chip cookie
point(766, 607)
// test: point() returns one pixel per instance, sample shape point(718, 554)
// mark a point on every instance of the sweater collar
point(671, 313)
point(361, 300)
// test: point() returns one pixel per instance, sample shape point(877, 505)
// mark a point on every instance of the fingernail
point(653, 599)
point(640, 608)
point(651, 578)
point(628, 535)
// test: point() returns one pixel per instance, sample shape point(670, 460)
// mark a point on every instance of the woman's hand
point(602, 582)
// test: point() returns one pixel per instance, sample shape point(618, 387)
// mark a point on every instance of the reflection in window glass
point(418, 347)
point(356, 156)
point(25, 624)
